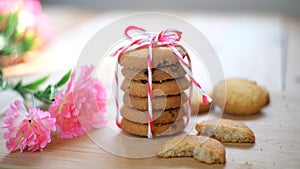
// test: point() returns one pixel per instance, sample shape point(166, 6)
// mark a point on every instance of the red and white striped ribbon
point(170, 38)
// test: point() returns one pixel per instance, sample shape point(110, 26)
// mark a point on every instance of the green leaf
point(35, 85)
point(18, 48)
point(18, 85)
point(4, 85)
point(53, 92)
point(64, 79)
point(13, 49)
point(1, 73)
point(11, 24)
point(2, 17)
point(46, 95)
point(25, 91)
point(27, 43)
point(22, 92)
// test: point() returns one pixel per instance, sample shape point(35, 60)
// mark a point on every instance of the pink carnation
point(81, 108)
point(40, 24)
point(33, 6)
point(45, 31)
point(31, 130)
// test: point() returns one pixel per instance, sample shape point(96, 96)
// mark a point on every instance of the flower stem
point(33, 100)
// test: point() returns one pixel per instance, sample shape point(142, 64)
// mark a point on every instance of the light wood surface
point(277, 146)
point(276, 128)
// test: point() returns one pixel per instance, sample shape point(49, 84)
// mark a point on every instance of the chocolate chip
point(174, 68)
point(164, 63)
point(144, 81)
point(146, 72)
point(160, 65)
point(172, 113)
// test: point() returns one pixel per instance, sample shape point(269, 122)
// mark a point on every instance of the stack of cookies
point(168, 85)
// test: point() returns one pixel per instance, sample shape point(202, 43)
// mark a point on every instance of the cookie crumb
point(246, 163)
point(261, 149)
point(274, 163)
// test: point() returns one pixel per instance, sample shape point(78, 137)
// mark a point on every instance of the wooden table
point(276, 128)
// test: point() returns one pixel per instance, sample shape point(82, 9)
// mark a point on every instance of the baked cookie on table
point(203, 149)
point(240, 96)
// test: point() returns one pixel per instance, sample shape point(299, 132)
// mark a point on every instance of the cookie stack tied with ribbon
point(156, 77)
point(168, 96)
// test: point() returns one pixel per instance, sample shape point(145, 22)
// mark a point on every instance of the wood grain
point(277, 146)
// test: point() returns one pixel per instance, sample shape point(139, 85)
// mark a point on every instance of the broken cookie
point(203, 149)
point(226, 131)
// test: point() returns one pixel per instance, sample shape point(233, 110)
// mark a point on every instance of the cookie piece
point(161, 57)
point(226, 131)
point(166, 116)
point(139, 129)
point(165, 88)
point(203, 149)
point(158, 103)
point(204, 107)
point(197, 104)
point(158, 74)
point(243, 97)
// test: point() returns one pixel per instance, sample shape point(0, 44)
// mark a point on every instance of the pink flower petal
point(33, 6)
point(29, 130)
point(81, 108)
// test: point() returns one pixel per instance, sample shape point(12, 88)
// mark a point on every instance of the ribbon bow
point(170, 38)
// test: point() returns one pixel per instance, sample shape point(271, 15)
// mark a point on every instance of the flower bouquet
point(72, 112)
point(23, 30)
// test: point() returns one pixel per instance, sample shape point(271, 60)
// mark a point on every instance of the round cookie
point(170, 87)
point(167, 116)
point(139, 129)
point(243, 97)
point(158, 103)
point(161, 57)
point(158, 74)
